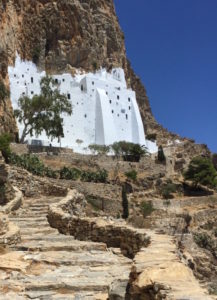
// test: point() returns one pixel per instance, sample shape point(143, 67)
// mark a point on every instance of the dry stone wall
point(128, 239)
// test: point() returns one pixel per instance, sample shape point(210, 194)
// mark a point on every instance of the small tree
point(43, 112)
point(129, 151)
point(5, 140)
point(161, 156)
point(125, 203)
point(201, 171)
point(99, 149)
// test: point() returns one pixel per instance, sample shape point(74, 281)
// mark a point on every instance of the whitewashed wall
point(104, 110)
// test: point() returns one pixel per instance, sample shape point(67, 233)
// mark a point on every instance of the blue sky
point(172, 45)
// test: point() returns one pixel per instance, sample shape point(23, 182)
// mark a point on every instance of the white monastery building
point(104, 109)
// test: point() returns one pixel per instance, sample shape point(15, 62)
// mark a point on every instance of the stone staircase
point(47, 265)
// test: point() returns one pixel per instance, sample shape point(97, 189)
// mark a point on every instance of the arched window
point(126, 116)
point(82, 87)
point(32, 79)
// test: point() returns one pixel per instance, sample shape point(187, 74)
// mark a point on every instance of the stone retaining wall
point(14, 204)
point(9, 232)
point(113, 234)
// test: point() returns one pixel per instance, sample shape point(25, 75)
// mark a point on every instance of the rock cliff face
point(60, 36)
point(64, 35)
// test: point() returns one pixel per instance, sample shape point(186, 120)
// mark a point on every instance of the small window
point(129, 99)
point(77, 103)
point(92, 82)
point(82, 87)
point(110, 101)
point(63, 79)
point(118, 97)
point(56, 80)
point(123, 111)
point(15, 75)
point(32, 79)
point(112, 111)
point(85, 115)
point(32, 92)
point(129, 108)
point(126, 116)
point(69, 96)
point(106, 93)
point(118, 115)
point(22, 76)
point(23, 93)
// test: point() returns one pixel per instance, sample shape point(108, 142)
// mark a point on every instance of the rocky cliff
point(63, 35)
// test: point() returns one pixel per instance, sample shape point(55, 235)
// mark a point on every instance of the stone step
point(36, 231)
point(52, 295)
point(92, 258)
point(27, 219)
point(24, 224)
point(72, 245)
point(53, 237)
point(30, 215)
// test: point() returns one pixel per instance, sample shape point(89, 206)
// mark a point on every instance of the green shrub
point(99, 149)
point(129, 151)
point(99, 177)
point(161, 156)
point(168, 190)
point(151, 137)
point(32, 164)
point(94, 65)
point(125, 203)
point(70, 174)
point(131, 175)
point(36, 54)
point(201, 171)
point(5, 140)
point(28, 162)
point(203, 240)
point(35, 166)
point(147, 208)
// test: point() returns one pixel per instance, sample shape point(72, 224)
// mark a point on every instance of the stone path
point(162, 269)
point(50, 266)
